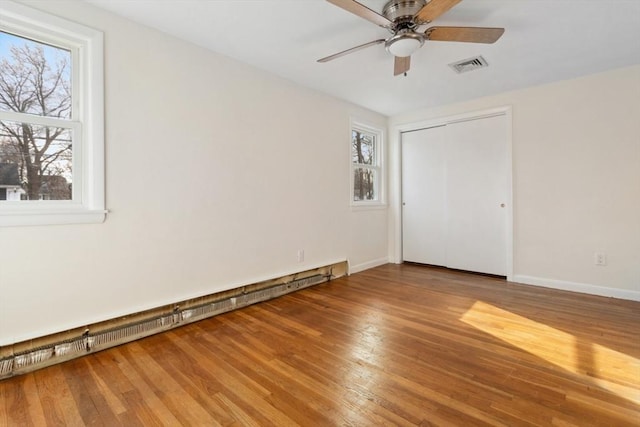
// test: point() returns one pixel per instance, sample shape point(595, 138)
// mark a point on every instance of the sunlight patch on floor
point(609, 369)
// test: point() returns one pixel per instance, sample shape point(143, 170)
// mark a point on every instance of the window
point(366, 172)
point(51, 119)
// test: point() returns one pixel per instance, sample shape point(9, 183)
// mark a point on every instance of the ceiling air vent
point(469, 64)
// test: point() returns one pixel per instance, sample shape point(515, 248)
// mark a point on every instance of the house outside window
point(51, 119)
point(366, 170)
point(10, 185)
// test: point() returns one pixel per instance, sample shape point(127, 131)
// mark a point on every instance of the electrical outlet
point(300, 255)
point(600, 258)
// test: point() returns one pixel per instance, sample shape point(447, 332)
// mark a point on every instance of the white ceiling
point(544, 41)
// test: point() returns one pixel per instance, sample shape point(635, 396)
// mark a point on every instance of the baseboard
point(578, 287)
point(367, 265)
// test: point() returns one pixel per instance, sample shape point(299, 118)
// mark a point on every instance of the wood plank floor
point(395, 345)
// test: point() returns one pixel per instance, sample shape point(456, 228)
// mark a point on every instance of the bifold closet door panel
point(476, 189)
point(424, 218)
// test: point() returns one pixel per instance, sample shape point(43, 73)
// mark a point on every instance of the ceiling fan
point(405, 19)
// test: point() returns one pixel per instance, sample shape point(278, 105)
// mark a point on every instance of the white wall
point(261, 166)
point(576, 180)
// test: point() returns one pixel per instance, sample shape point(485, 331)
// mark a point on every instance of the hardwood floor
point(395, 345)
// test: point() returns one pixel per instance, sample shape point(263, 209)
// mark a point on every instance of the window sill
point(51, 217)
point(368, 207)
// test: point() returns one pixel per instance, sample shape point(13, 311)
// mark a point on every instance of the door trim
point(395, 152)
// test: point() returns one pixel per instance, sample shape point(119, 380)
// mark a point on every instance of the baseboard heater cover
point(27, 356)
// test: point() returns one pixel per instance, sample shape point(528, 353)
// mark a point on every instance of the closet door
point(476, 188)
point(424, 219)
point(454, 193)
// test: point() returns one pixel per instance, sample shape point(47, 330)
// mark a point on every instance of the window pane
point(35, 161)
point(364, 187)
point(35, 78)
point(363, 147)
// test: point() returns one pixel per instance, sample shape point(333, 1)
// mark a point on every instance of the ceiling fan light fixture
point(404, 44)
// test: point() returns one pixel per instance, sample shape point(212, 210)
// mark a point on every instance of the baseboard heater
point(27, 356)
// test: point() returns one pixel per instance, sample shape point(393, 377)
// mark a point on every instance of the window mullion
point(32, 119)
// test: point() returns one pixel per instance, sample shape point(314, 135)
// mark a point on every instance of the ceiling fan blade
point(348, 51)
point(362, 11)
point(464, 34)
point(401, 65)
point(433, 9)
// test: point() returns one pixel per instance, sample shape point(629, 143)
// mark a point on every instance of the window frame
point(86, 123)
point(377, 167)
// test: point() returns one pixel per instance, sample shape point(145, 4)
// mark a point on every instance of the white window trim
point(88, 204)
point(359, 125)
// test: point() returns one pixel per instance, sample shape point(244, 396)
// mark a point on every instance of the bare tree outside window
point(363, 157)
point(35, 79)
